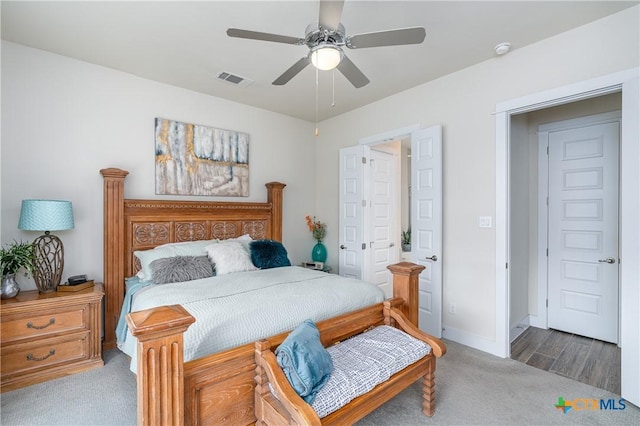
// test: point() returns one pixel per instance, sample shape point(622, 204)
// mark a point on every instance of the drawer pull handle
point(40, 327)
point(30, 357)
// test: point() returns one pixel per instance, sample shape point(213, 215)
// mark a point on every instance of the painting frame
point(193, 159)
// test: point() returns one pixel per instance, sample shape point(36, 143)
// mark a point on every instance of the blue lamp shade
point(46, 215)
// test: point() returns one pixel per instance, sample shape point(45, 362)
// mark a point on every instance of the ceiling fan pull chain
point(333, 88)
point(317, 102)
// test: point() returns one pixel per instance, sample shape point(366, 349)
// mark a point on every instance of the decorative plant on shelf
point(13, 258)
point(406, 240)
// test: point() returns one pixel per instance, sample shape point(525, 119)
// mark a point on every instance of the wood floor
point(586, 360)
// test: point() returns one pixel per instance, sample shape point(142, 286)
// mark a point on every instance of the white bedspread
point(235, 309)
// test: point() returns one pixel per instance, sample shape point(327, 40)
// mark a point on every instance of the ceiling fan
point(326, 40)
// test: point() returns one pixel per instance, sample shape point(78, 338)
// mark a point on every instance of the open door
point(354, 177)
point(426, 224)
point(384, 200)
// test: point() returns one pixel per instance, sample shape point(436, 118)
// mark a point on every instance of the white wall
point(63, 120)
point(463, 103)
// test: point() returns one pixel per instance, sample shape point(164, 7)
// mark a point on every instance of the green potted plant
point(406, 240)
point(13, 258)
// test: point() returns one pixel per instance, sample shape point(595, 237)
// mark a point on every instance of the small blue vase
point(319, 252)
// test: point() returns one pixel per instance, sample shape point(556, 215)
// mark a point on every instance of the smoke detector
point(502, 48)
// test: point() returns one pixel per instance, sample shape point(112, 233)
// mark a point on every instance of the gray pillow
point(180, 268)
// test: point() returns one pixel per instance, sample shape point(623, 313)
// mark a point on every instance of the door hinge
point(364, 246)
point(547, 252)
point(506, 265)
point(547, 303)
point(364, 160)
point(547, 201)
point(547, 149)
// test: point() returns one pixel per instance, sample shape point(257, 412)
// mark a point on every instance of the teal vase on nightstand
point(319, 252)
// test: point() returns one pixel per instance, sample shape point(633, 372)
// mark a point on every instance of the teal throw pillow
point(266, 254)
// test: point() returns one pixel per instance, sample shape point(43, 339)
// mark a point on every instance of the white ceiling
point(185, 43)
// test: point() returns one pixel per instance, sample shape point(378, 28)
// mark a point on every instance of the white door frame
point(628, 83)
point(541, 320)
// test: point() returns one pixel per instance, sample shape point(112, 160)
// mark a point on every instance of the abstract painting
point(198, 160)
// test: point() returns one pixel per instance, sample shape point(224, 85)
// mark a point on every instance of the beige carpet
point(472, 387)
point(475, 388)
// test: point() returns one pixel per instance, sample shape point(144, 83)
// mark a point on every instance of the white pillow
point(245, 240)
point(229, 257)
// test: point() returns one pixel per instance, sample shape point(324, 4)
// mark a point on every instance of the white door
point(354, 178)
point(426, 224)
point(583, 230)
point(383, 211)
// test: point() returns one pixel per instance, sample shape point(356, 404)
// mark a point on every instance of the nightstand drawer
point(49, 335)
point(44, 324)
point(26, 357)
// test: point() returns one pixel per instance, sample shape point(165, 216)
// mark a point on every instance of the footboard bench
point(276, 402)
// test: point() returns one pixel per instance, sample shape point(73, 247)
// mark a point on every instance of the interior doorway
point(628, 82)
point(551, 243)
point(424, 201)
point(528, 212)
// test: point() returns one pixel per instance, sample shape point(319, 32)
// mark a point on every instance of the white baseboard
point(474, 341)
point(520, 328)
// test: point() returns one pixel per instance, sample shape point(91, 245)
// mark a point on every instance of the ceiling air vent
point(236, 80)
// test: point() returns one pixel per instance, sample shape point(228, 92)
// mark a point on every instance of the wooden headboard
point(131, 225)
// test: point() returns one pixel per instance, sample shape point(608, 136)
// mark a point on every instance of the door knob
point(342, 247)
point(607, 260)
point(434, 258)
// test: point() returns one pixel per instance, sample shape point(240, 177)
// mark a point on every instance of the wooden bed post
point(274, 196)
point(160, 363)
point(405, 285)
point(113, 250)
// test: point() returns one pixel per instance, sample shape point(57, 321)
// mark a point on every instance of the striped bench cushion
point(363, 361)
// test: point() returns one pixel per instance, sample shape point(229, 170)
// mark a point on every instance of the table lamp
point(47, 216)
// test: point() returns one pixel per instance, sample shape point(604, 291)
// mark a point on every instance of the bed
point(215, 388)
point(231, 309)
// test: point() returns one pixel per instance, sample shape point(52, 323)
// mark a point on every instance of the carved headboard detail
point(131, 225)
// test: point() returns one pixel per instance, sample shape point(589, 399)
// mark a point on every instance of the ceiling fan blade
point(330, 14)
point(292, 71)
point(353, 73)
point(414, 35)
point(255, 35)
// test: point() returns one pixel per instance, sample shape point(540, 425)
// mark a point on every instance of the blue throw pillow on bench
point(304, 360)
point(266, 254)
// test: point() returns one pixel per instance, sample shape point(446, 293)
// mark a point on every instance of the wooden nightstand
point(44, 336)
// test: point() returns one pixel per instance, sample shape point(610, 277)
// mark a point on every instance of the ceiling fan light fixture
point(326, 57)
